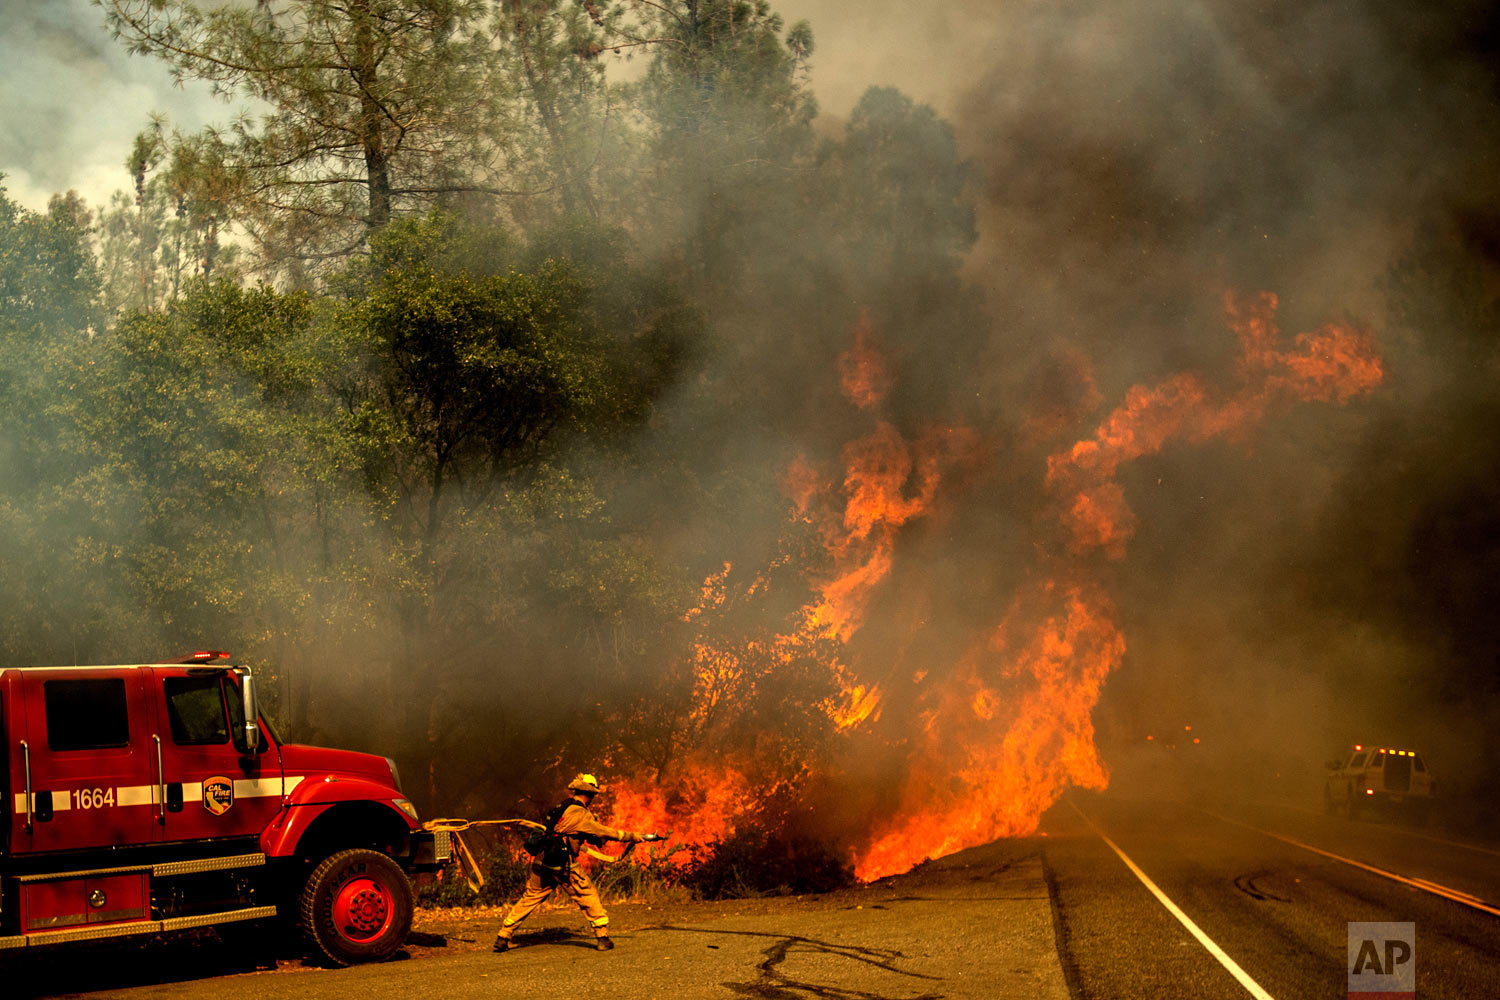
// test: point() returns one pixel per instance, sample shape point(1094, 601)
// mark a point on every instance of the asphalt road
point(1062, 914)
point(1277, 909)
point(978, 927)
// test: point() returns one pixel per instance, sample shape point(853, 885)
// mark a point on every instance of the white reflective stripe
point(136, 795)
point(254, 788)
point(61, 801)
point(292, 781)
point(148, 795)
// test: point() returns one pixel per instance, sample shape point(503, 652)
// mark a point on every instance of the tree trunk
point(143, 247)
point(210, 246)
point(371, 121)
point(574, 190)
point(378, 173)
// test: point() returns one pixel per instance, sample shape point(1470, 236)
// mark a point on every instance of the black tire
point(356, 907)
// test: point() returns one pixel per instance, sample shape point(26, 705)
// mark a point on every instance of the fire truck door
point(213, 789)
point(93, 764)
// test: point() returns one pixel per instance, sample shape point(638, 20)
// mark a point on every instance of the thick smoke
point(1325, 580)
point(1322, 579)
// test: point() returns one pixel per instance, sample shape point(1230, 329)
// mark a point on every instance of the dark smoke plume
point(1327, 580)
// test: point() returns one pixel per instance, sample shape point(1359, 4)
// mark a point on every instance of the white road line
point(1213, 949)
point(1435, 888)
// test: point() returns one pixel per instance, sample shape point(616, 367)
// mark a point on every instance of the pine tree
point(359, 111)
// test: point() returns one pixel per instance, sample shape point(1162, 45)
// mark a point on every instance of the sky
point(74, 102)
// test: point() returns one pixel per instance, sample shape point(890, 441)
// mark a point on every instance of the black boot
point(603, 943)
point(502, 943)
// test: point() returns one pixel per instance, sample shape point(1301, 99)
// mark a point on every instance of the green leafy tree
point(729, 122)
point(49, 282)
point(371, 108)
point(149, 245)
point(217, 499)
point(899, 198)
point(476, 361)
point(568, 132)
point(49, 308)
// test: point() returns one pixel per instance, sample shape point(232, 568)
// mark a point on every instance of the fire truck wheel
point(356, 907)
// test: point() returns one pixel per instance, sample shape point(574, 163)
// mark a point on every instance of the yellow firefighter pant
point(541, 885)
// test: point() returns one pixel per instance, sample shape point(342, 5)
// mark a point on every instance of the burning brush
point(998, 736)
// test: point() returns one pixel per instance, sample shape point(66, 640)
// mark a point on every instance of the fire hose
point(470, 869)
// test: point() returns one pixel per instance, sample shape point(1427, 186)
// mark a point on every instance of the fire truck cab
point(153, 797)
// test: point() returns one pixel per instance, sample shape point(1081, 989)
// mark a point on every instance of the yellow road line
point(1405, 833)
point(1208, 943)
point(1452, 843)
point(1416, 883)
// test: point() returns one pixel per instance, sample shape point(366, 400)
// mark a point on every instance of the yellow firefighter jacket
point(578, 825)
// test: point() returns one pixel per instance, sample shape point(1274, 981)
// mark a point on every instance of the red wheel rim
point(363, 909)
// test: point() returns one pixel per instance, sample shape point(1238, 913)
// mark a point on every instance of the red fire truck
point(149, 798)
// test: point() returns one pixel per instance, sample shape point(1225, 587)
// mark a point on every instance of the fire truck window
point(236, 708)
point(86, 714)
point(1417, 763)
point(1358, 761)
point(196, 710)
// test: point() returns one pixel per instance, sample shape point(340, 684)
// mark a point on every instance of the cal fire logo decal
point(218, 795)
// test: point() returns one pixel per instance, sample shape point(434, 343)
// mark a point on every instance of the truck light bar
point(201, 656)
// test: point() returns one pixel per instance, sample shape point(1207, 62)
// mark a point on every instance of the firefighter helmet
point(586, 783)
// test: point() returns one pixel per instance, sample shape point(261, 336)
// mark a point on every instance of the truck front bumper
point(430, 850)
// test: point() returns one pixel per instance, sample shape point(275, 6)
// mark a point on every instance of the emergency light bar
point(202, 656)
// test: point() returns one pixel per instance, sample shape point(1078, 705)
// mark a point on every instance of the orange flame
point(700, 806)
point(1334, 364)
point(879, 468)
point(855, 703)
point(863, 371)
point(1000, 736)
point(803, 483)
point(990, 769)
point(991, 766)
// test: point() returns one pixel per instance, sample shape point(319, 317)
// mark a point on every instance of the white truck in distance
point(1377, 779)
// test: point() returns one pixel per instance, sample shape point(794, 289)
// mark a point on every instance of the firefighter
point(578, 826)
